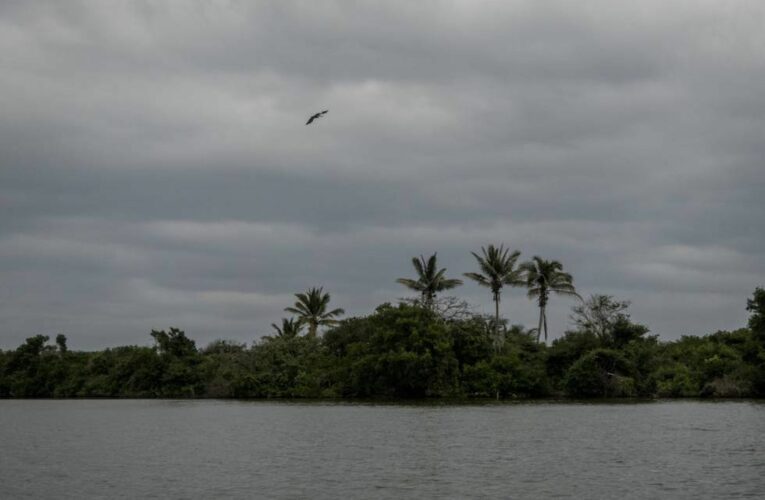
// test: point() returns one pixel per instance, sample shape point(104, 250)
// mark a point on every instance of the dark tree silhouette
point(543, 277)
point(430, 280)
point(497, 270)
point(311, 309)
point(290, 328)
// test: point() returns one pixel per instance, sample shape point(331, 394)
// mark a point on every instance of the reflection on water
point(210, 449)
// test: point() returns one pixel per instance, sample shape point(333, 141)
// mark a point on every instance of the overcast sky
point(155, 169)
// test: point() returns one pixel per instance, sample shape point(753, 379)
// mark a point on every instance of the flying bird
point(317, 115)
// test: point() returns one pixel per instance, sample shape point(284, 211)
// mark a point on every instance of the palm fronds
point(430, 280)
point(311, 309)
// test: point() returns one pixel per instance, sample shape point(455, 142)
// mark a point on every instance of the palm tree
point(498, 268)
point(311, 308)
point(289, 329)
point(543, 277)
point(429, 280)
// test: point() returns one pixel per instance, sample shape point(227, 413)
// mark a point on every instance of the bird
point(317, 115)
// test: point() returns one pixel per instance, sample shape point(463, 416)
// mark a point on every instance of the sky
point(156, 169)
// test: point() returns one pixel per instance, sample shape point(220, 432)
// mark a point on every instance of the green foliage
point(289, 328)
point(129, 371)
point(473, 340)
point(61, 343)
point(642, 354)
point(604, 324)
point(520, 369)
point(514, 368)
point(566, 350)
point(27, 370)
point(599, 314)
point(542, 278)
point(723, 364)
point(221, 347)
point(675, 381)
point(430, 280)
point(285, 367)
point(174, 343)
point(498, 269)
point(311, 309)
point(225, 369)
point(624, 332)
point(601, 373)
point(753, 351)
point(405, 351)
point(756, 305)
point(178, 362)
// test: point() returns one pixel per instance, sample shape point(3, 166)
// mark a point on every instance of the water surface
point(229, 449)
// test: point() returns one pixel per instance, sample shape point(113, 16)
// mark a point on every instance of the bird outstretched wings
point(317, 115)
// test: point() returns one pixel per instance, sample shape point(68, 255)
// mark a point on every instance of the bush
point(600, 373)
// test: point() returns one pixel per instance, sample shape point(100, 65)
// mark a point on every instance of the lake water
point(229, 449)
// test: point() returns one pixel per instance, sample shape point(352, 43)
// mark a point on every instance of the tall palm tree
point(497, 270)
point(311, 308)
point(289, 329)
point(430, 280)
point(543, 277)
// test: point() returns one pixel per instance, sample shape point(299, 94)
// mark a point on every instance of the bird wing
point(317, 115)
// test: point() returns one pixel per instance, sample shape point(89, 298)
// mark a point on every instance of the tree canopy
point(407, 351)
point(430, 280)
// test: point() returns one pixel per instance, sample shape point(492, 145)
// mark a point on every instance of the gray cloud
point(155, 169)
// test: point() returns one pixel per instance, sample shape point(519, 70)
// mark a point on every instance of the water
point(227, 449)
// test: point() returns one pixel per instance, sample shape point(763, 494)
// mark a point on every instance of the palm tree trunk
point(541, 316)
point(496, 315)
point(312, 327)
point(544, 314)
point(427, 301)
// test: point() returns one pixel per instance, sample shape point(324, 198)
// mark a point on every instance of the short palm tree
point(290, 328)
point(311, 309)
point(430, 280)
point(543, 277)
point(497, 270)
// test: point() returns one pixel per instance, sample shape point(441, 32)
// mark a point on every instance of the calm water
point(215, 449)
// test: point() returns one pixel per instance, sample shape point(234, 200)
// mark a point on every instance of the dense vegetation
point(435, 348)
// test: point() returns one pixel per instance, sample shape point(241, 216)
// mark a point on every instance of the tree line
point(430, 346)
point(498, 269)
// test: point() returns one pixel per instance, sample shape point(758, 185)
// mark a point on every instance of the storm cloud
point(155, 169)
